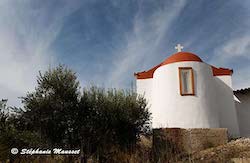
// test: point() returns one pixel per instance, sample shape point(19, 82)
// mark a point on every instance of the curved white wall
point(170, 109)
point(212, 106)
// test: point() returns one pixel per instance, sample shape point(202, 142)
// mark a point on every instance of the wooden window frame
point(192, 81)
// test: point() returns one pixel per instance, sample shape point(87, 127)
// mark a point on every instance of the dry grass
point(232, 152)
point(239, 148)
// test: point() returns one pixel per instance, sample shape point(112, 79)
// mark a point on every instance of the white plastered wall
point(211, 107)
point(170, 109)
point(227, 79)
point(243, 110)
point(226, 105)
point(144, 88)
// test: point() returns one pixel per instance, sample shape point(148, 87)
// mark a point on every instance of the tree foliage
point(10, 133)
point(111, 120)
point(100, 122)
point(50, 109)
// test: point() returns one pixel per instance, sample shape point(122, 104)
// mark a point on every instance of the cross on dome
point(178, 47)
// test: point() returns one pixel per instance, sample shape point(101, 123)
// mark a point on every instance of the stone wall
point(174, 143)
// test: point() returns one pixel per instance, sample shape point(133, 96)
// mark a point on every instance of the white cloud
point(232, 49)
point(143, 40)
point(230, 52)
point(27, 31)
point(241, 78)
point(236, 49)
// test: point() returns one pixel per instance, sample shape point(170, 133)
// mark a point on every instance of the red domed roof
point(181, 57)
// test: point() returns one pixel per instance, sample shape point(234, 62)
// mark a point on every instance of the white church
point(185, 92)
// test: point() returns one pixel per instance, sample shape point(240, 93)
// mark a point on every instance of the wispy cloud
point(106, 42)
point(27, 30)
point(143, 41)
point(241, 78)
point(235, 51)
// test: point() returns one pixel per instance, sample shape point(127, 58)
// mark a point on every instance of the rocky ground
point(237, 151)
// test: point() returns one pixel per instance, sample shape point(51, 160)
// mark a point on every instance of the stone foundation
point(174, 143)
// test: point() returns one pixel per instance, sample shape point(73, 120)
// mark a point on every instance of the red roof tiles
point(181, 57)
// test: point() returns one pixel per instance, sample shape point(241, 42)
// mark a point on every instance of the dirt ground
point(237, 151)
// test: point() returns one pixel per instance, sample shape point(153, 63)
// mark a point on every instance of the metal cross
point(178, 47)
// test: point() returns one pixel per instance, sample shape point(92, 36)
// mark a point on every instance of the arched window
point(186, 78)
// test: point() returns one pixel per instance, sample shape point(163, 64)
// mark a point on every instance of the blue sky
point(106, 41)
